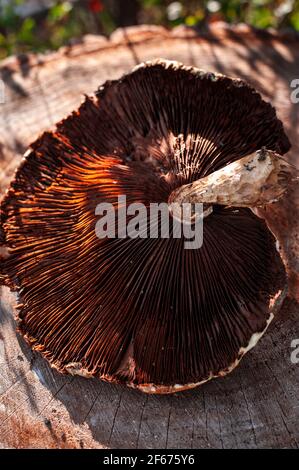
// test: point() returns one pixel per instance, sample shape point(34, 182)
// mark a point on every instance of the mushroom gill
point(143, 311)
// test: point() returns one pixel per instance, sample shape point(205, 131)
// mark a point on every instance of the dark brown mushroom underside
point(142, 310)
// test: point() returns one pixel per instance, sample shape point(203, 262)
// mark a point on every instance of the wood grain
point(255, 406)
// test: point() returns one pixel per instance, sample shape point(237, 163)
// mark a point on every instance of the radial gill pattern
point(143, 311)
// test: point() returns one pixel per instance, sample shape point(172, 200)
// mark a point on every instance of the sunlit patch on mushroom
point(145, 311)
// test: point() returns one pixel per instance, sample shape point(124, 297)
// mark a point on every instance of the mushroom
point(146, 311)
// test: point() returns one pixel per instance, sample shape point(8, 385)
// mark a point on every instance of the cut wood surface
point(257, 405)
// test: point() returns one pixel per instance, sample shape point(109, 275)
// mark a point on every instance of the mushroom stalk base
point(256, 180)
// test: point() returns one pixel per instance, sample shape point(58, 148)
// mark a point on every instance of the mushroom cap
point(143, 311)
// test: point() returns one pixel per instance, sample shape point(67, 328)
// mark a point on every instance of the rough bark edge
point(134, 35)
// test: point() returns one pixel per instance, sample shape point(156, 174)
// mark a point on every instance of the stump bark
point(257, 405)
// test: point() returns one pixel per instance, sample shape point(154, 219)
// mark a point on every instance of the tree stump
point(257, 405)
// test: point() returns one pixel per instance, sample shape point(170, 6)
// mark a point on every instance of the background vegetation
point(40, 25)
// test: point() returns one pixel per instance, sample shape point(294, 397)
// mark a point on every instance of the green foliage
point(294, 20)
point(59, 11)
point(150, 3)
point(262, 18)
point(68, 20)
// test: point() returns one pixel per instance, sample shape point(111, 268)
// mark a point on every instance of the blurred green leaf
point(59, 11)
point(8, 16)
point(107, 21)
point(262, 18)
point(2, 40)
point(191, 20)
point(150, 3)
point(294, 20)
point(26, 32)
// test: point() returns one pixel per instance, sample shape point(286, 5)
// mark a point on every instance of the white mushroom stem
point(256, 180)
